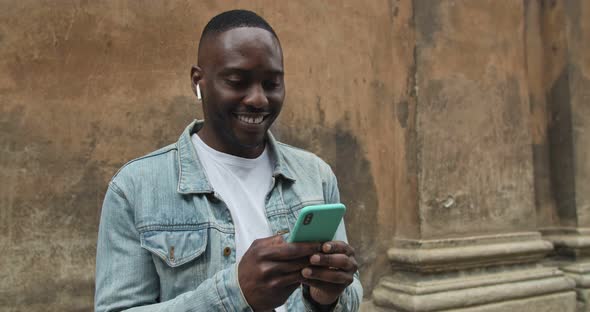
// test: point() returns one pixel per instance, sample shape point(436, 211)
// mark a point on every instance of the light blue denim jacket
point(166, 240)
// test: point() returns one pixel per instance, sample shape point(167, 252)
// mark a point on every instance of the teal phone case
point(317, 223)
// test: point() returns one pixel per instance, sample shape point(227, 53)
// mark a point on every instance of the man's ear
point(196, 78)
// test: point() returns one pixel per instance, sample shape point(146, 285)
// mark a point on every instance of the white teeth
point(251, 120)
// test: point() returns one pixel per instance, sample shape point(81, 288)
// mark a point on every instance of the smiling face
point(240, 75)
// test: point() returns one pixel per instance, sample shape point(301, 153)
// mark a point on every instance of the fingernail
point(315, 259)
point(306, 272)
point(327, 247)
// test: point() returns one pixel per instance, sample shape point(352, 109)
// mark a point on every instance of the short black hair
point(235, 19)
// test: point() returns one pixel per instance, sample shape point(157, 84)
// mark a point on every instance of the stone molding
point(470, 252)
point(571, 255)
point(579, 272)
point(408, 291)
point(569, 242)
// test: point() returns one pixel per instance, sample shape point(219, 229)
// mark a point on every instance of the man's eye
point(234, 82)
point(271, 84)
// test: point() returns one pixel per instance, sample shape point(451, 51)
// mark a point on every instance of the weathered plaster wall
point(472, 115)
point(545, 47)
point(558, 66)
point(87, 85)
point(426, 142)
point(578, 33)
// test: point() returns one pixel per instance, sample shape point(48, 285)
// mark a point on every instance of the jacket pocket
point(175, 247)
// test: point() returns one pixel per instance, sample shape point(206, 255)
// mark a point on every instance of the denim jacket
point(166, 239)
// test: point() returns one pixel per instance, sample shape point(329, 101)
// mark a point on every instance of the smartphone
point(317, 223)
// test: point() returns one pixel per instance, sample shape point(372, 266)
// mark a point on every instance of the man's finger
point(286, 280)
point(275, 268)
point(326, 286)
point(290, 251)
point(334, 247)
point(328, 275)
point(338, 261)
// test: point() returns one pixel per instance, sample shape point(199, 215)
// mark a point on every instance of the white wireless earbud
point(198, 92)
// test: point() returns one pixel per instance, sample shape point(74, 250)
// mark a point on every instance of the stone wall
point(450, 124)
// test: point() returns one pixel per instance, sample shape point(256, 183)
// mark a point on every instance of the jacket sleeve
point(126, 277)
point(351, 298)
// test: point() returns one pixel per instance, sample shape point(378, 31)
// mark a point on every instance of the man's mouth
point(252, 119)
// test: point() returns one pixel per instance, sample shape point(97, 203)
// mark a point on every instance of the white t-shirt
point(242, 184)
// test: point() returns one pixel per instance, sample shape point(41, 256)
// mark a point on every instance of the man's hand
point(270, 270)
point(331, 272)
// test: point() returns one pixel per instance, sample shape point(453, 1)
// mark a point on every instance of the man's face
point(241, 80)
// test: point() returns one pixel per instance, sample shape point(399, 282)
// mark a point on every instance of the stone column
point(563, 149)
point(469, 240)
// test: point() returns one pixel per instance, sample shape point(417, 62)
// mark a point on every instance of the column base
point(580, 274)
point(443, 255)
point(548, 303)
point(572, 256)
point(569, 243)
point(480, 273)
point(517, 288)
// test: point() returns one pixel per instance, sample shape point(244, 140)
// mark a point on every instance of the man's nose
point(256, 97)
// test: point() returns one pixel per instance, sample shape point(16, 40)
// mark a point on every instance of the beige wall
point(87, 85)
point(377, 88)
point(558, 64)
point(471, 109)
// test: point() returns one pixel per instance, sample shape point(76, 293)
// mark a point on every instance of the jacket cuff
point(229, 291)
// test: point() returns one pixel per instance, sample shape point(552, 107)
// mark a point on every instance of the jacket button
point(226, 251)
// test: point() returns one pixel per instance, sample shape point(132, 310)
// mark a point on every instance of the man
point(199, 225)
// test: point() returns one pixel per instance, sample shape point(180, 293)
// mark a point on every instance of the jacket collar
point(191, 175)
